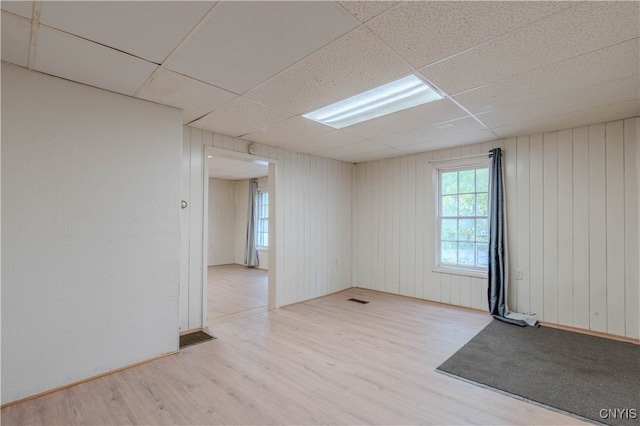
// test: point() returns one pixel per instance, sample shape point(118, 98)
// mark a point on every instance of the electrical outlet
point(519, 274)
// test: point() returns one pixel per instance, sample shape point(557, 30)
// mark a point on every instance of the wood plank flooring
point(324, 361)
point(235, 291)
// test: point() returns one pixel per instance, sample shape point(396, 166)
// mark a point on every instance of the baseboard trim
point(88, 379)
point(591, 332)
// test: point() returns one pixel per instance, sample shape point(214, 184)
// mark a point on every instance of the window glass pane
point(467, 181)
point(482, 230)
point(450, 205)
point(449, 252)
point(482, 180)
point(482, 255)
point(467, 204)
point(466, 254)
point(449, 183)
point(482, 200)
point(449, 230)
point(466, 230)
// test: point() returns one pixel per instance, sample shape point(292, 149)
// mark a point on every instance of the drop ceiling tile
point(16, 35)
point(290, 130)
point(603, 65)
point(441, 131)
point(244, 43)
point(352, 150)
point(149, 30)
point(371, 156)
point(194, 97)
point(239, 117)
point(331, 139)
point(571, 120)
point(365, 10)
point(412, 118)
point(449, 142)
point(424, 32)
point(76, 59)
point(611, 92)
point(352, 64)
point(22, 8)
point(586, 27)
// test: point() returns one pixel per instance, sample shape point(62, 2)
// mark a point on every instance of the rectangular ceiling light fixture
point(401, 94)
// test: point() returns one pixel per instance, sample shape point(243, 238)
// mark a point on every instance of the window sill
point(463, 272)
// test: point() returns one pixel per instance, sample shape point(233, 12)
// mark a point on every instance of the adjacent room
point(376, 212)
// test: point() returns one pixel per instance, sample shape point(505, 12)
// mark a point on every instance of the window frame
point(260, 218)
point(471, 164)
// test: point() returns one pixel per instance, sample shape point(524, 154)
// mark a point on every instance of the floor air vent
point(364, 302)
point(194, 338)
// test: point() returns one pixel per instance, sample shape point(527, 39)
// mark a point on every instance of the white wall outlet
point(519, 274)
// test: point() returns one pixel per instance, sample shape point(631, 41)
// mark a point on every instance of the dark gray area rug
point(588, 376)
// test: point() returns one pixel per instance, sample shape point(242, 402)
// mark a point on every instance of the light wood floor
point(235, 291)
point(318, 362)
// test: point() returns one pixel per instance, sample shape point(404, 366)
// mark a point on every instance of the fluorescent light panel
point(401, 94)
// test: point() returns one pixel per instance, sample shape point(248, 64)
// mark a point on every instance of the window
point(463, 226)
point(262, 226)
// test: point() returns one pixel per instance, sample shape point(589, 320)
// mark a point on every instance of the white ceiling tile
point(424, 32)
point(194, 97)
point(149, 30)
point(239, 117)
point(22, 8)
point(76, 59)
point(16, 35)
point(231, 169)
point(365, 10)
point(603, 65)
point(571, 120)
point(323, 141)
point(453, 129)
point(352, 64)
point(412, 118)
point(586, 27)
point(293, 129)
point(611, 92)
point(371, 156)
point(353, 150)
point(244, 43)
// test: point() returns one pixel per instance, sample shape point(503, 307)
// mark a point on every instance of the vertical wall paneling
point(536, 225)
point(403, 228)
point(434, 289)
point(395, 231)
point(632, 262)
point(521, 260)
point(509, 158)
point(550, 226)
point(565, 227)
point(222, 222)
point(383, 200)
point(185, 194)
point(615, 227)
point(195, 208)
point(411, 225)
point(581, 276)
point(597, 229)
point(420, 263)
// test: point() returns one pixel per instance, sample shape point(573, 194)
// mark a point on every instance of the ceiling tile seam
point(583, 88)
point(33, 39)
point(542, 67)
point(97, 43)
point(561, 115)
point(186, 38)
point(14, 15)
point(476, 46)
point(341, 8)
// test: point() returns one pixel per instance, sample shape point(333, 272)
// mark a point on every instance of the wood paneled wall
point(572, 211)
point(222, 221)
point(314, 251)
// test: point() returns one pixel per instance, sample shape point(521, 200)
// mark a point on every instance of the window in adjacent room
point(262, 225)
point(463, 226)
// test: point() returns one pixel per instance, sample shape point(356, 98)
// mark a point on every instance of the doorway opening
point(239, 236)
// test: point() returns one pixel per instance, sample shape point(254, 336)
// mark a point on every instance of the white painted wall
point(222, 221)
point(90, 211)
point(313, 257)
point(572, 219)
point(242, 204)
